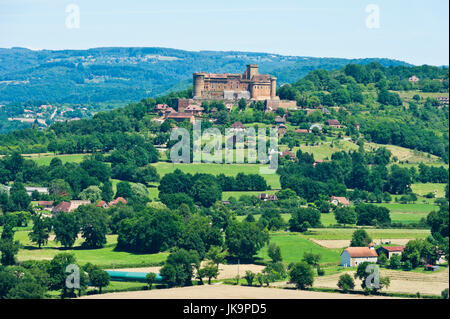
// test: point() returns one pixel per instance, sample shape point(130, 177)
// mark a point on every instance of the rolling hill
point(103, 75)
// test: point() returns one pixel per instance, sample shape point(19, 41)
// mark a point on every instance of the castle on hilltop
point(251, 86)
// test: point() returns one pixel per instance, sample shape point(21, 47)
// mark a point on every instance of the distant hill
point(125, 74)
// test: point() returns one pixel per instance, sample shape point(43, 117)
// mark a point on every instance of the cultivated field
point(227, 292)
point(342, 243)
point(401, 281)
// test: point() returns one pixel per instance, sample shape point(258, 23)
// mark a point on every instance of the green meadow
point(164, 168)
point(45, 159)
point(293, 246)
point(424, 189)
point(346, 233)
point(104, 257)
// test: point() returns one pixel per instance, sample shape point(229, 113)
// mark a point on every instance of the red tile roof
point(118, 200)
point(46, 203)
point(360, 252)
point(62, 207)
point(333, 122)
point(341, 200)
point(394, 248)
point(101, 203)
point(179, 115)
point(237, 125)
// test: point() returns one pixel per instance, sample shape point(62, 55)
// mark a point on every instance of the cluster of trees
point(204, 189)
point(354, 170)
point(153, 230)
point(345, 86)
point(404, 134)
point(35, 279)
point(177, 188)
point(242, 182)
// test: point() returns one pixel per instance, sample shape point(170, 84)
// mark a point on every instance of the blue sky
point(415, 31)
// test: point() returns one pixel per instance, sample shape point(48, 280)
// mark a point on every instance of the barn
point(353, 256)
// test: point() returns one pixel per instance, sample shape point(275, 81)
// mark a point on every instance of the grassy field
point(423, 189)
point(104, 257)
point(424, 95)
point(405, 154)
point(164, 168)
point(45, 159)
point(326, 219)
point(293, 246)
point(325, 150)
point(408, 213)
point(346, 233)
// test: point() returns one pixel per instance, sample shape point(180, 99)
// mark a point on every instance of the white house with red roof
point(353, 256)
point(339, 201)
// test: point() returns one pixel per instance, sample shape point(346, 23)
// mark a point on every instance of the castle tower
point(273, 88)
point(199, 84)
point(252, 70)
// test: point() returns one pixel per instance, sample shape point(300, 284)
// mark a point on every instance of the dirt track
point(226, 271)
point(226, 292)
point(345, 243)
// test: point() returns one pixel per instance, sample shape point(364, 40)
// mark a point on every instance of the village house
point(302, 131)
point(46, 205)
point(117, 201)
point(320, 162)
point(357, 126)
point(181, 117)
point(443, 99)
point(102, 204)
point(391, 251)
point(194, 110)
point(68, 207)
point(30, 190)
point(280, 120)
point(237, 127)
point(161, 108)
point(353, 256)
point(414, 79)
point(339, 201)
point(266, 197)
point(319, 127)
point(291, 155)
point(333, 123)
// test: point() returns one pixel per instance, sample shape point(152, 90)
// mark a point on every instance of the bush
point(346, 283)
point(249, 277)
point(301, 274)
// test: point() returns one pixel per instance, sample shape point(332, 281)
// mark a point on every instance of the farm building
point(339, 201)
point(353, 256)
point(390, 251)
point(68, 207)
point(333, 123)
